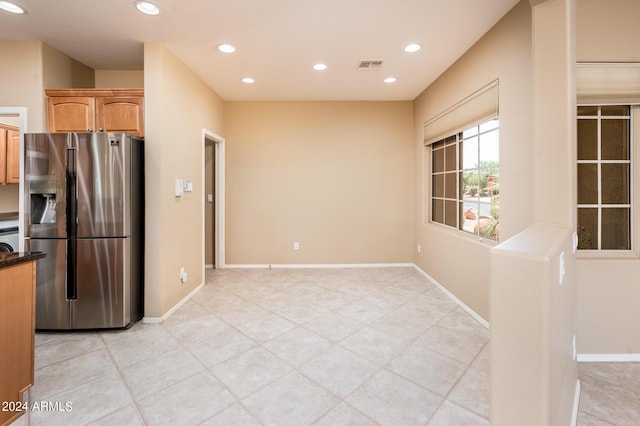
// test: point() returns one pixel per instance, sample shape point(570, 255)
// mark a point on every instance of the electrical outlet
point(183, 276)
point(296, 245)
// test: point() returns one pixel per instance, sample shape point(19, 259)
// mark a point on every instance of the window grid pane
point(604, 178)
point(465, 180)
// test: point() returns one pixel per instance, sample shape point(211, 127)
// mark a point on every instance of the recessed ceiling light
point(319, 67)
point(226, 48)
point(411, 48)
point(147, 8)
point(390, 80)
point(11, 7)
point(248, 80)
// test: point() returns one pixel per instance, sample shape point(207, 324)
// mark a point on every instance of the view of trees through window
point(466, 180)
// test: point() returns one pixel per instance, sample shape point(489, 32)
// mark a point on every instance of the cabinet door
point(16, 334)
point(71, 114)
point(13, 156)
point(3, 156)
point(120, 114)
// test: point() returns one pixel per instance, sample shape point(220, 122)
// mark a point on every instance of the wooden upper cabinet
point(117, 114)
point(96, 110)
point(71, 114)
point(13, 156)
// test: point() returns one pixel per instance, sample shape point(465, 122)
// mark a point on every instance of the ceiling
point(277, 41)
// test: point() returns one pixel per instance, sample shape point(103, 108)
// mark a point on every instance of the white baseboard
point(576, 404)
point(159, 320)
point(454, 298)
point(208, 266)
point(318, 265)
point(608, 357)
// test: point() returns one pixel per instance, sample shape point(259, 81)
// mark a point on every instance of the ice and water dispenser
point(43, 198)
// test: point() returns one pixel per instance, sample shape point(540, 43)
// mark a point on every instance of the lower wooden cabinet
point(17, 334)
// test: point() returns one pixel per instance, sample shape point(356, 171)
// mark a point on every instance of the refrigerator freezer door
point(103, 168)
point(103, 295)
point(45, 184)
point(52, 307)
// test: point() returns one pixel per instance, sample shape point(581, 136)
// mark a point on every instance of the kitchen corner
point(17, 330)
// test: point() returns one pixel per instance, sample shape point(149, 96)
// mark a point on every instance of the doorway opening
point(13, 195)
point(213, 200)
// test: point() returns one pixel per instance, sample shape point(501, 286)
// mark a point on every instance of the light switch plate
point(179, 187)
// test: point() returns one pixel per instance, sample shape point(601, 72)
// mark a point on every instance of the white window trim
point(427, 186)
point(634, 156)
point(615, 83)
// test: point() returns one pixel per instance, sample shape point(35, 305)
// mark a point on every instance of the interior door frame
point(219, 197)
point(21, 113)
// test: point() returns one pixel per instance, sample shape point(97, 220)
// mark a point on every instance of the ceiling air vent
point(370, 65)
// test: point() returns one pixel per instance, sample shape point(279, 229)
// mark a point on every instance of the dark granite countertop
point(15, 258)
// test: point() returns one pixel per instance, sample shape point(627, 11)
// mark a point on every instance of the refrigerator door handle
point(72, 261)
point(72, 195)
point(72, 225)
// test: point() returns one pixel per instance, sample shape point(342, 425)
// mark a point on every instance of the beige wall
point(607, 31)
point(21, 86)
point(62, 71)
point(21, 80)
point(9, 198)
point(461, 262)
point(533, 286)
point(178, 105)
point(533, 374)
point(121, 79)
point(608, 289)
point(334, 176)
point(28, 67)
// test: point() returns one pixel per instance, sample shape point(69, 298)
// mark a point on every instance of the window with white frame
point(608, 136)
point(465, 180)
point(462, 165)
point(604, 157)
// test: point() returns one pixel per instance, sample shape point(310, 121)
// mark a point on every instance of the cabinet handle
point(89, 130)
point(101, 129)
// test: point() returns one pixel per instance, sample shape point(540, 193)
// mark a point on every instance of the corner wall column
point(533, 291)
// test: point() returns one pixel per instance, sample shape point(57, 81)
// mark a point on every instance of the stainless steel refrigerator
point(84, 207)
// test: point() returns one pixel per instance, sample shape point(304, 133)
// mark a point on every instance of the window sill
point(463, 234)
point(607, 254)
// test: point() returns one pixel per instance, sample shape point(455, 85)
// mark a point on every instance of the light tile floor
point(291, 347)
point(610, 394)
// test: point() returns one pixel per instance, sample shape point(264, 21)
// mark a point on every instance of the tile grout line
point(121, 375)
